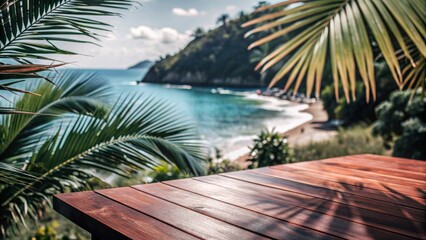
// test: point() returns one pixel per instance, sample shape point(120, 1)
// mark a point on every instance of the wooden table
point(352, 197)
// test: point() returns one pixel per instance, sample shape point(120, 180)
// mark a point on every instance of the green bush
point(46, 232)
point(359, 110)
point(356, 140)
point(163, 172)
point(222, 166)
point(402, 124)
point(270, 148)
point(56, 227)
point(166, 172)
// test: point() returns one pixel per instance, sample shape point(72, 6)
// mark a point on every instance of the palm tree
point(349, 32)
point(199, 32)
point(30, 30)
point(261, 4)
point(77, 134)
point(223, 19)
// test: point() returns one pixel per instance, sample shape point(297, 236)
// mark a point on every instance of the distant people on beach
point(290, 96)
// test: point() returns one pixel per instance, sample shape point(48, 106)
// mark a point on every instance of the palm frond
point(32, 29)
point(78, 135)
point(10, 175)
point(347, 31)
point(74, 93)
point(138, 133)
point(11, 75)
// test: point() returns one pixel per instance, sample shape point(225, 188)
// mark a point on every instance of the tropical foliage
point(358, 111)
point(32, 31)
point(77, 132)
point(402, 126)
point(352, 33)
point(166, 172)
point(77, 135)
point(219, 165)
point(270, 148)
point(348, 141)
point(223, 19)
point(223, 166)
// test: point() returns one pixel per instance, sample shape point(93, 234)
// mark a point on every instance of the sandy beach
point(317, 129)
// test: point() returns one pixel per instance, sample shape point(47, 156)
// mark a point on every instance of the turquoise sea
point(226, 118)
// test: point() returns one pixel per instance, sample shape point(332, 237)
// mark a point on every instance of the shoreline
point(314, 130)
point(317, 129)
point(290, 116)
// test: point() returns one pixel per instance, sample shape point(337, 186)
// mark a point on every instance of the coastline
point(318, 129)
point(314, 130)
point(290, 116)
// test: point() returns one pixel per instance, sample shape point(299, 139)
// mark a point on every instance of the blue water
point(228, 120)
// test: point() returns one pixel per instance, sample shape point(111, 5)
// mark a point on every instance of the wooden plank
point(261, 202)
point(361, 183)
point(351, 213)
point(352, 197)
point(106, 219)
point(300, 190)
point(411, 176)
point(342, 187)
point(243, 218)
point(181, 218)
point(357, 173)
point(394, 160)
point(378, 162)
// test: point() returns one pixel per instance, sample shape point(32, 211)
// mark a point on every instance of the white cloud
point(151, 43)
point(143, 32)
point(231, 8)
point(164, 35)
point(189, 12)
point(111, 36)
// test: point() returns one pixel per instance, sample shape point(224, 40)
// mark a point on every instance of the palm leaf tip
point(344, 31)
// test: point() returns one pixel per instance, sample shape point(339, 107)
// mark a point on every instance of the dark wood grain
point(379, 162)
point(300, 189)
point(357, 173)
point(351, 213)
point(362, 183)
point(342, 187)
point(106, 219)
point(387, 159)
point(346, 163)
point(243, 218)
point(181, 218)
point(263, 203)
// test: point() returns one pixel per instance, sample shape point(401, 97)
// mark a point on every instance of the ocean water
point(227, 119)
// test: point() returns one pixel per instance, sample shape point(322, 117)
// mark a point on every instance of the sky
point(156, 28)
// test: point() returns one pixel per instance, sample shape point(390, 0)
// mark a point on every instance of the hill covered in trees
point(142, 64)
point(218, 57)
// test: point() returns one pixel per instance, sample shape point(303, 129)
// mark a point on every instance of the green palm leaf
point(73, 142)
point(10, 175)
point(31, 30)
point(348, 31)
point(82, 94)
